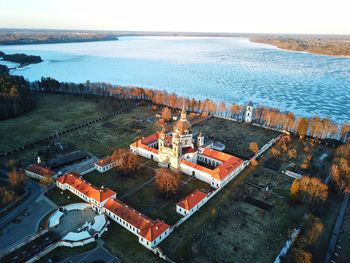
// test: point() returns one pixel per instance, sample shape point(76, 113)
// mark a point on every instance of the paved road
point(35, 191)
point(336, 229)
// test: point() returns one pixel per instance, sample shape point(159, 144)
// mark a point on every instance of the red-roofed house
point(40, 172)
point(105, 164)
point(154, 234)
point(191, 203)
point(89, 193)
point(150, 232)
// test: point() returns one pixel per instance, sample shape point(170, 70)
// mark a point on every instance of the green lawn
point(122, 184)
point(152, 202)
point(235, 135)
point(126, 246)
point(55, 112)
point(55, 195)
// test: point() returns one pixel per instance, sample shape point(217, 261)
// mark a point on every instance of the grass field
point(122, 184)
point(235, 135)
point(55, 195)
point(150, 201)
point(55, 112)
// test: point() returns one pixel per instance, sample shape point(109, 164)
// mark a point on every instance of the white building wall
point(147, 154)
point(185, 212)
point(200, 175)
point(105, 168)
point(155, 242)
point(33, 175)
point(186, 140)
point(136, 231)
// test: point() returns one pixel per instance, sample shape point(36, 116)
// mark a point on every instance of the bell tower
point(161, 139)
point(249, 113)
point(200, 139)
point(177, 149)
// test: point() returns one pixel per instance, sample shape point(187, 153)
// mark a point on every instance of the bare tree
point(166, 181)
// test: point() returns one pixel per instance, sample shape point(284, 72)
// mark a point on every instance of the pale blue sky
point(264, 16)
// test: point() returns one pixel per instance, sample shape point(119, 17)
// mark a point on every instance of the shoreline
point(299, 51)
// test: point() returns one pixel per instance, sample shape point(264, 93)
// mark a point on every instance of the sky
point(238, 16)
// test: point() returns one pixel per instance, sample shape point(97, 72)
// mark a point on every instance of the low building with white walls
point(106, 164)
point(191, 203)
point(150, 232)
point(40, 172)
point(83, 189)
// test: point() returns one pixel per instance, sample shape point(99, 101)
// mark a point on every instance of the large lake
point(229, 69)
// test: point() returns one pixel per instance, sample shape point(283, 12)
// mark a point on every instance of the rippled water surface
point(229, 69)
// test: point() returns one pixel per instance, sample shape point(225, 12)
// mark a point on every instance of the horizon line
point(169, 32)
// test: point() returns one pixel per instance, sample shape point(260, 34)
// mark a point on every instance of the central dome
point(183, 124)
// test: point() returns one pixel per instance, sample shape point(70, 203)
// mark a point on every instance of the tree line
point(15, 96)
point(316, 127)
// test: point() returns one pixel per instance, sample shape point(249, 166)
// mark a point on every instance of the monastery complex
point(179, 150)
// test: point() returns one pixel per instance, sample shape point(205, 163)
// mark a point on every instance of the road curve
point(35, 191)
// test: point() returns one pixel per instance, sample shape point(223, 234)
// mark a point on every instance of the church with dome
point(182, 151)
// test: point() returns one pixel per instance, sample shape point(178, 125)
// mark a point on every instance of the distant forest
point(24, 37)
point(22, 59)
point(323, 45)
point(15, 97)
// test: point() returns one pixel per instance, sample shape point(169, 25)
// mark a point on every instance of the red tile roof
point(149, 229)
point(148, 148)
point(155, 230)
point(150, 139)
point(192, 200)
point(75, 181)
point(129, 214)
point(197, 166)
point(105, 161)
point(41, 170)
point(223, 157)
point(228, 165)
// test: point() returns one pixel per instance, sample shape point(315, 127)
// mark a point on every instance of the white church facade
point(179, 150)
